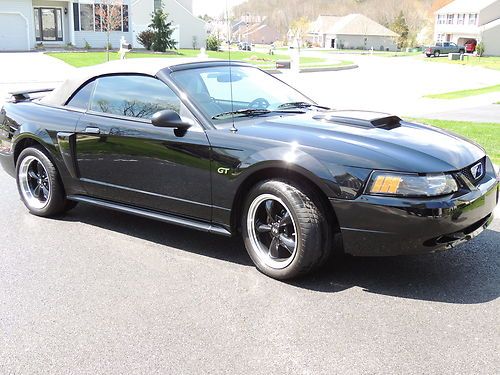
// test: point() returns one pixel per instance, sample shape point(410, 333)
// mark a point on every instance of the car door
point(122, 157)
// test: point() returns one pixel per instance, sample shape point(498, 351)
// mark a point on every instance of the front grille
point(468, 173)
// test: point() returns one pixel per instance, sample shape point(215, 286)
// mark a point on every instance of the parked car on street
point(470, 46)
point(226, 148)
point(244, 46)
point(443, 49)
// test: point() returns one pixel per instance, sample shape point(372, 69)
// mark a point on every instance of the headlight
point(411, 185)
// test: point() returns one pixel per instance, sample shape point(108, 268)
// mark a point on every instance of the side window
point(82, 97)
point(133, 96)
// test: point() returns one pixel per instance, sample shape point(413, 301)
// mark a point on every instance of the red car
point(470, 46)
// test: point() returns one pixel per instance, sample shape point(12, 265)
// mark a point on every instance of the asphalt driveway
point(101, 292)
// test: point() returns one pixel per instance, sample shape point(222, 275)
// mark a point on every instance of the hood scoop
point(362, 119)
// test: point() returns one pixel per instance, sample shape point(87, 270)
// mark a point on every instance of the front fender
point(289, 158)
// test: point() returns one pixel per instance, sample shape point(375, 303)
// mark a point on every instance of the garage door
point(13, 32)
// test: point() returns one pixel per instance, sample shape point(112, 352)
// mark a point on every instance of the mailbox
point(283, 64)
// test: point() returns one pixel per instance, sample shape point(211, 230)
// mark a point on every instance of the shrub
point(87, 46)
point(108, 46)
point(480, 49)
point(213, 43)
point(146, 38)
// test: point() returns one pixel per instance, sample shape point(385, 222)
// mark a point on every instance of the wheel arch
point(295, 176)
point(23, 143)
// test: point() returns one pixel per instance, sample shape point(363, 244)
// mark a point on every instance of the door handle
point(92, 130)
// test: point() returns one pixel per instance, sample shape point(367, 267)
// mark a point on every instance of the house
point(354, 31)
point(462, 20)
point(254, 29)
point(25, 23)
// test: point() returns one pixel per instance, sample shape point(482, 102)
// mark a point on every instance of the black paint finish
point(202, 174)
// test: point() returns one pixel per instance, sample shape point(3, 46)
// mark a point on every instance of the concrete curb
point(315, 70)
point(328, 69)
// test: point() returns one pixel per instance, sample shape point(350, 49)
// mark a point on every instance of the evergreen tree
point(163, 31)
point(399, 26)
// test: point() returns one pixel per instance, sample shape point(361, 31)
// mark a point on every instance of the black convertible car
point(224, 147)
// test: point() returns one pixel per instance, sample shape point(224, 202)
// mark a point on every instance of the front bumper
point(381, 226)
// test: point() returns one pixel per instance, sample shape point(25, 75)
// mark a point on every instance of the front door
point(122, 157)
point(48, 24)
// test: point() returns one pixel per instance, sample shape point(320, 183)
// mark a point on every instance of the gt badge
point(222, 170)
point(477, 171)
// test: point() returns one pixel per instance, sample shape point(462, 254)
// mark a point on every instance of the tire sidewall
point(287, 197)
point(56, 199)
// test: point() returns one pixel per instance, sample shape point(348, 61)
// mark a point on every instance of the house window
point(441, 19)
point(450, 19)
point(472, 18)
point(87, 17)
point(93, 17)
point(461, 19)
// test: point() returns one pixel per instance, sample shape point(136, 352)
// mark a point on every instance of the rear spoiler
point(24, 95)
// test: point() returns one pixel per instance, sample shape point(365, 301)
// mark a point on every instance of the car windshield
point(253, 92)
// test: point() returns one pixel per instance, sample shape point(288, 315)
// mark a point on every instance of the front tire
point(39, 184)
point(437, 53)
point(285, 232)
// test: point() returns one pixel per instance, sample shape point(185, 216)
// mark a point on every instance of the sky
point(212, 7)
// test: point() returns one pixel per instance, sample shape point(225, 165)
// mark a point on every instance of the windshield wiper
point(251, 112)
point(300, 105)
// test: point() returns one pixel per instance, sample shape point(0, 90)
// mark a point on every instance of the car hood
point(369, 139)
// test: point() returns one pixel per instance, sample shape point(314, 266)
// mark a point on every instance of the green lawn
point(264, 60)
point(486, 134)
point(490, 62)
point(464, 93)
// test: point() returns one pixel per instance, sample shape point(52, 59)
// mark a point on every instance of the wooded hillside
point(281, 13)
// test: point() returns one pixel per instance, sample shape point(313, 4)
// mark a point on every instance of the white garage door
point(13, 32)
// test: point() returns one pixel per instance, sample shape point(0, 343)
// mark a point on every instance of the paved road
point(396, 85)
point(30, 70)
point(101, 292)
point(487, 113)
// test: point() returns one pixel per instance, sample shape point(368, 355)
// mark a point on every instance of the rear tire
point(286, 233)
point(39, 184)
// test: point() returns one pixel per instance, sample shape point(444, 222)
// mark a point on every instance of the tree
point(163, 31)
point(213, 43)
point(108, 18)
point(480, 49)
point(399, 26)
point(299, 29)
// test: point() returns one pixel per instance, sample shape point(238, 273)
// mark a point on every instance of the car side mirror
point(169, 119)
